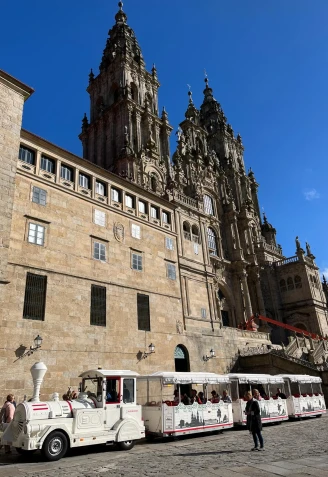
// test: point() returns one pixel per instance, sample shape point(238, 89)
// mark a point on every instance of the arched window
point(208, 205)
point(282, 285)
point(195, 233)
point(181, 358)
point(212, 243)
point(186, 231)
point(298, 281)
point(290, 283)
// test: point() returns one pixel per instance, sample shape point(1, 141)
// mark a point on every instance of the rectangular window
point(171, 271)
point(36, 234)
point(66, 173)
point(100, 188)
point(137, 261)
point(39, 196)
point(169, 243)
point(100, 218)
point(98, 306)
point(208, 205)
point(225, 317)
point(26, 155)
point(143, 312)
point(135, 231)
point(203, 312)
point(165, 218)
point(115, 195)
point(153, 212)
point(142, 207)
point(35, 297)
point(84, 181)
point(196, 248)
point(47, 165)
point(128, 390)
point(99, 251)
point(129, 201)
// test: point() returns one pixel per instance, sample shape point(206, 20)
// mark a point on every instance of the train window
point(113, 390)
point(128, 390)
point(93, 387)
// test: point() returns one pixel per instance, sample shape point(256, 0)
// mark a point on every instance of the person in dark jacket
point(254, 423)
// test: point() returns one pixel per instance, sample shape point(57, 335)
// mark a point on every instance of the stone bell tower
point(124, 133)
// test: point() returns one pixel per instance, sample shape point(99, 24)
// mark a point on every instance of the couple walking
point(254, 423)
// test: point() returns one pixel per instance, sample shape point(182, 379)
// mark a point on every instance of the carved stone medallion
point(119, 232)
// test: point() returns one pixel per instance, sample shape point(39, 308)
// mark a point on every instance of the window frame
point(131, 199)
point(171, 271)
point(169, 240)
point(208, 205)
point(38, 193)
point(167, 215)
point(143, 321)
point(26, 151)
point(101, 222)
point(212, 240)
point(119, 195)
point(84, 181)
point(66, 169)
point(203, 313)
point(136, 231)
point(48, 161)
point(99, 183)
point(154, 212)
point(37, 227)
point(145, 207)
point(138, 262)
point(102, 247)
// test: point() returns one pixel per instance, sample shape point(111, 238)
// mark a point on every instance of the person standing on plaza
point(254, 423)
point(6, 416)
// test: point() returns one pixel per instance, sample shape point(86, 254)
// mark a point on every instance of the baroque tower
point(125, 133)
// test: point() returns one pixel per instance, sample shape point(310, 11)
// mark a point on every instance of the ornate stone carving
point(118, 230)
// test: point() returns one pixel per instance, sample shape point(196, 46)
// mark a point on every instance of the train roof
point(104, 373)
point(301, 378)
point(256, 378)
point(169, 377)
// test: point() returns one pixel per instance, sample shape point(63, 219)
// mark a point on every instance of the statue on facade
point(308, 249)
point(298, 244)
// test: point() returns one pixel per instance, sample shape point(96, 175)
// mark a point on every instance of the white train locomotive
point(105, 412)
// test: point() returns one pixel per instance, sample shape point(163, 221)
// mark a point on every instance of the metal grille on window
point(100, 218)
point(26, 155)
point(169, 243)
point(171, 271)
point(36, 234)
point(98, 306)
point(136, 231)
point(99, 251)
point(100, 188)
point(143, 312)
point(142, 207)
point(39, 196)
point(137, 262)
point(35, 297)
point(84, 181)
point(66, 173)
point(211, 237)
point(203, 312)
point(208, 205)
point(47, 165)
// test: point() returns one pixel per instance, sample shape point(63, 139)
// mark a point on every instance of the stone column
point(203, 231)
point(259, 295)
point(248, 305)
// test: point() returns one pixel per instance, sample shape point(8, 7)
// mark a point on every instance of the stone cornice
point(16, 85)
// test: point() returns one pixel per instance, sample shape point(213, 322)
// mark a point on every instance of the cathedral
point(131, 257)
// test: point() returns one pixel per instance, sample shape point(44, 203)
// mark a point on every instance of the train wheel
point(55, 446)
point(126, 445)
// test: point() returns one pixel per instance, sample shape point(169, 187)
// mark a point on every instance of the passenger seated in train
point(201, 397)
point(194, 397)
point(185, 399)
point(257, 395)
point(176, 395)
point(280, 394)
point(215, 397)
point(225, 396)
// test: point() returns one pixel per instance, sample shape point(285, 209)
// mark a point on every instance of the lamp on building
point(151, 348)
point(37, 345)
point(212, 355)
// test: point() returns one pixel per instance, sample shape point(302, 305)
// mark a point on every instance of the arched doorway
point(181, 359)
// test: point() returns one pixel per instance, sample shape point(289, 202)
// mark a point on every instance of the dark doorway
point(181, 359)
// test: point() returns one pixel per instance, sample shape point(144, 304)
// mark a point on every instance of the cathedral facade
point(128, 250)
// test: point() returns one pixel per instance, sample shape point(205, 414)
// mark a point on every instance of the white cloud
point(324, 271)
point(311, 194)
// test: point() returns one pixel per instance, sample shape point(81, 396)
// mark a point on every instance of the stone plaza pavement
point(293, 449)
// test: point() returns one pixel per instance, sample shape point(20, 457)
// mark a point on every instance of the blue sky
point(266, 61)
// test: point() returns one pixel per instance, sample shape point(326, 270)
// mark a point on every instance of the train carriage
point(304, 395)
point(164, 416)
point(273, 409)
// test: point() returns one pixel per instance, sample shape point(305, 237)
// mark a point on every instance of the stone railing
point(258, 335)
point(291, 347)
point(268, 247)
point(183, 199)
point(285, 261)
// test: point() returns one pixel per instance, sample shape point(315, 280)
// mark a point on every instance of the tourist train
point(121, 407)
